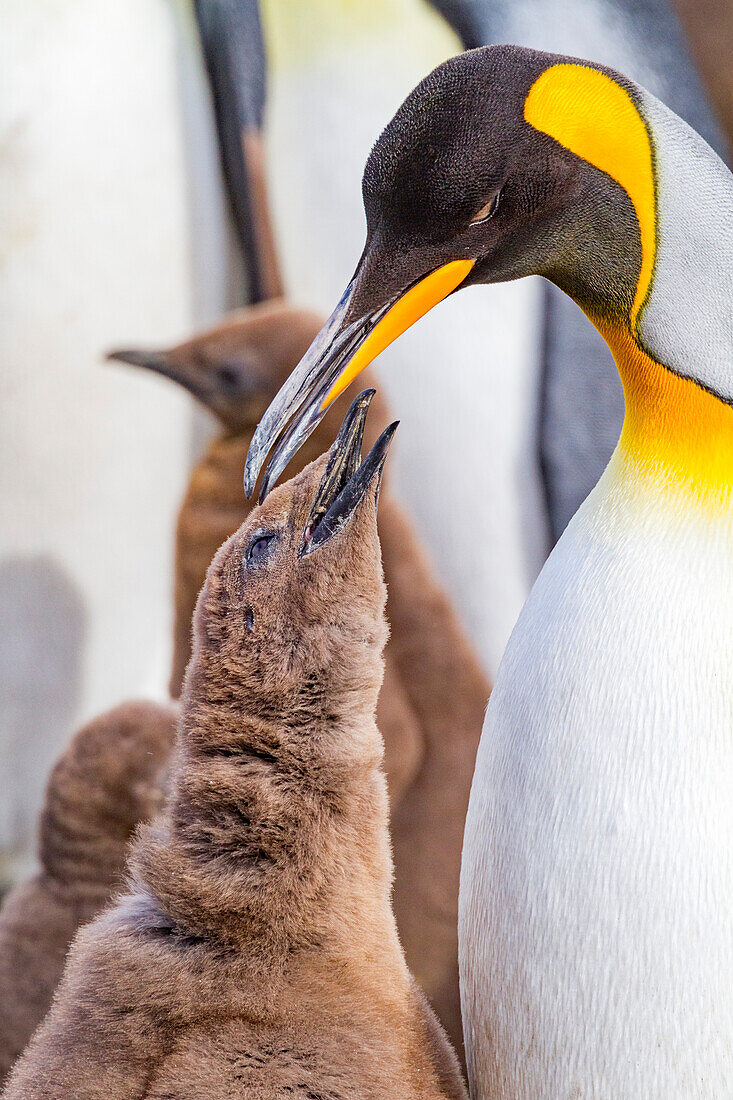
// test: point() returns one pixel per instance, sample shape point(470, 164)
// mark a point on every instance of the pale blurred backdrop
point(109, 232)
point(115, 233)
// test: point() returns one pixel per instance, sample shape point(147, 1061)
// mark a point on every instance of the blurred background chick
point(112, 777)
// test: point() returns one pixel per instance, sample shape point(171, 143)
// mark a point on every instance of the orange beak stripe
point(413, 305)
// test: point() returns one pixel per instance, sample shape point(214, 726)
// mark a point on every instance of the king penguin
point(579, 398)
point(596, 911)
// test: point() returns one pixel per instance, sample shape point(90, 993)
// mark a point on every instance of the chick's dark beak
point(150, 360)
point(160, 363)
point(346, 479)
point(343, 348)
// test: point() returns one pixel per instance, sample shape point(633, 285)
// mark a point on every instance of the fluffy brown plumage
point(430, 708)
point(109, 779)
point(448, 692)
point(234, 370)
point(257, 955)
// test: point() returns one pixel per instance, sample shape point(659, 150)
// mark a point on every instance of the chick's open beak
point(339, 352)
point(346, 479)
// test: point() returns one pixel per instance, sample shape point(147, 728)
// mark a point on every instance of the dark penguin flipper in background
point(233, 48)
point(468, 18)
point(580, 400)
point(580, 407)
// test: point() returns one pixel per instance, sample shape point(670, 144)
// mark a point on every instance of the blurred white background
point(115, 233)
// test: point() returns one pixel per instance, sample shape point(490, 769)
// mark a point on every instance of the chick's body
point(430, 728)
point(257, 954)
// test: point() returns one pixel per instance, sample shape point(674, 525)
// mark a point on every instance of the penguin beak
point(156, 361)
point(342, 349)
point(346, 480)
point(159, 362)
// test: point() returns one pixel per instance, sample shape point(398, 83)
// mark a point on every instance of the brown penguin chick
point(257, 955)
point(234, 370)
point(109, 779)
point(430, 730)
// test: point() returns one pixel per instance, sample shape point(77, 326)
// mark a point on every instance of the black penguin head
point(487, 172)
point(453, 156)
point(460, 174)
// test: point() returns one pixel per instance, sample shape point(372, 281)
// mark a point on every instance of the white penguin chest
point(596, 920)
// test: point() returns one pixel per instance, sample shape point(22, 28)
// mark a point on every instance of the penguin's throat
point(674, 430)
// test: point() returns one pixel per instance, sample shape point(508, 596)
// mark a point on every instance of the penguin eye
point(259, 547)
point(229, 378)
point(487, 211)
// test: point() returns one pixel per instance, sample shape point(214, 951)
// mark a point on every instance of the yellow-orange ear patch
point(595, 118)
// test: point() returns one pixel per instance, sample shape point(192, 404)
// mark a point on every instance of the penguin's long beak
point(158, 362)
point(343, 348)
point(346, 479)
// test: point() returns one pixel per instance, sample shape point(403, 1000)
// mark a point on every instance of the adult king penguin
point(596, 918)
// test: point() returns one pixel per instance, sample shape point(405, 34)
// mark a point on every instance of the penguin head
point(464, 180)
point(503, 162)
point(235, 368)
point(292, 608)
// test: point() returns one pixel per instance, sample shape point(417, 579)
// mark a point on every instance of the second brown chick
point(234, 369)
point(111, 777)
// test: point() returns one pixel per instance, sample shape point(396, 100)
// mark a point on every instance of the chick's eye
point(229, 378)
point(487, 211)
point(259, 547)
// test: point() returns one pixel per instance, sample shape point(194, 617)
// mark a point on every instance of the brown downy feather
point(257, 955)
point(233, 370)
point(431, 705)
point(109, 779)
point(448, 692)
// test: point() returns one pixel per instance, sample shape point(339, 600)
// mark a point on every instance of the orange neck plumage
point(673, 429)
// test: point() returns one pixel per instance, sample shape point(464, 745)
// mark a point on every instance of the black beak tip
point(355, 417)
point(251, 473)
point(248, 488)
point(118, 356)
point(386, 441)
point(152, 360)
point(353, 493)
